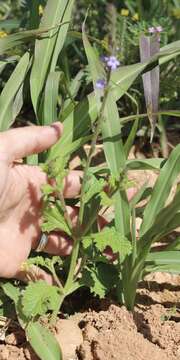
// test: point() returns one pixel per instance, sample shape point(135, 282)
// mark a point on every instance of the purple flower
point(100, 84)
point(151, 30)
point(113, 62)
point(159, 29)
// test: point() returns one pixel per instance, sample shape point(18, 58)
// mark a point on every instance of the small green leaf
point(93, 187)
point(54, 219)
point(43, 342)
point(101, 279)
point(11, 291)
point(39, 297)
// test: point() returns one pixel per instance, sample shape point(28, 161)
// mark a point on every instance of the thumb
point(21, 142)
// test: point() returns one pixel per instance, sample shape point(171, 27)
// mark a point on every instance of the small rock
point(69, 336)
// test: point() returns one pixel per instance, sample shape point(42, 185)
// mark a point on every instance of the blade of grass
point(161, 190)
point(51, 98)
point(44, 48)
point(12, 89)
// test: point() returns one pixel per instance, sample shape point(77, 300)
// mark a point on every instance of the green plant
point(88, 116)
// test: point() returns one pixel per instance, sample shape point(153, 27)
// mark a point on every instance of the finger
point(72, 182)
point(131, 192)
point(35, 273)
point(21, 142)
point(59, 244)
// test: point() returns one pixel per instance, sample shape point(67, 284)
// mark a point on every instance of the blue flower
point(100, 84)
point(111, 61)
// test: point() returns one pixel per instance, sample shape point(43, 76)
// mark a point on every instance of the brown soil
point(108, 332)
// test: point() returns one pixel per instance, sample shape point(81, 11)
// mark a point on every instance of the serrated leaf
point(39, 297)
point(110, 237)
point(43, 342)
point(101, 279)
point(44, 262)
point(93, 187)
point(54, 219)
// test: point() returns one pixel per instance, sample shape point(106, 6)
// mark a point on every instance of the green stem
point(91, 152)
point(77, 240)
point(66, 214)
point(74, 256)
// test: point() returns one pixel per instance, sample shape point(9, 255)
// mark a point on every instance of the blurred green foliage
point(120, 22)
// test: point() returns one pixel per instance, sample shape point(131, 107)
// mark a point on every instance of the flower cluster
point(111, 62)
point(100, 84)
point(156, 29)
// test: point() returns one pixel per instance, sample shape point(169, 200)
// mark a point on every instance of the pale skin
point(21, 199)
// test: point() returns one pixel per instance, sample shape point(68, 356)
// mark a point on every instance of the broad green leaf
point(77, 125)
point(43, 342)
point(46, 48)
point(39, 297)
point(11, 96)
point(165, 221)
point(66, 17)
point(51, 98)
point(116, 160)
point(170, 268)
point(162, 188)
point(164, 257)
point(11, 291)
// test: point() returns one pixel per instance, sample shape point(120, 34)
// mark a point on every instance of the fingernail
point(58, 127)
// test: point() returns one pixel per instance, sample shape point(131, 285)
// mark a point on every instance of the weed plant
point(88, 105)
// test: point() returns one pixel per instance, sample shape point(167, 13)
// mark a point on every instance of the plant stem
point(74, 256)
point(66, 214)
point(77, 239)
point(91, 152)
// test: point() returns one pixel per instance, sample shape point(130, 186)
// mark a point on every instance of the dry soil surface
point(105, 331)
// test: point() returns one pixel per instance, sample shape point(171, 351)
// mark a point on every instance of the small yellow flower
point(3, 34)
point(176, 13)
point(124, 12)
point(135, 17)
point(41, 10)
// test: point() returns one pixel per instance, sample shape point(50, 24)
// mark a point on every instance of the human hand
point(21, 198)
